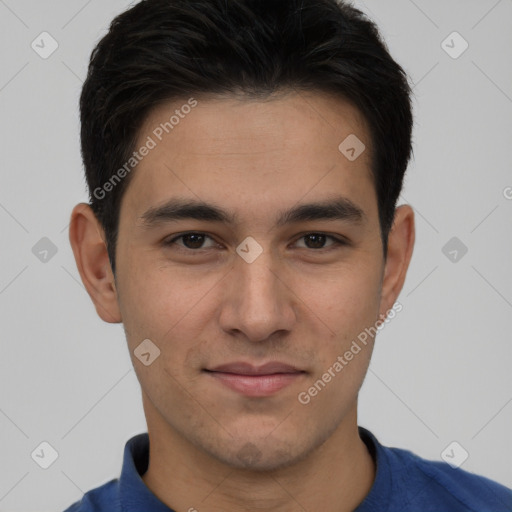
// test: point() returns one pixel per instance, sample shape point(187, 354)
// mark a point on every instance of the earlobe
point(400, 248)
point(87, 241)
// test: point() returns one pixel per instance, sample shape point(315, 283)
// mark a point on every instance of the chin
point(261, 455)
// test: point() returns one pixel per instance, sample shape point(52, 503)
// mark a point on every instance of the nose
point(258, 299)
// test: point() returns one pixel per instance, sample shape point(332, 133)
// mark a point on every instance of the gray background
point(440, 371)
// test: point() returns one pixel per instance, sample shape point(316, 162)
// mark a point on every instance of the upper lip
point(241, 368)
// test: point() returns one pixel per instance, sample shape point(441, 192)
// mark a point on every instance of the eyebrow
point(338, 208)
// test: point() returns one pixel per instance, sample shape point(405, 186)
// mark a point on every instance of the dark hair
point(161, 50)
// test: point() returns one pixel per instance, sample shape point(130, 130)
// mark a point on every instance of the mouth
point(255, 381)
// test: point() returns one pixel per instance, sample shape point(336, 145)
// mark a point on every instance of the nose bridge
point(258, 279)
point(260, 303)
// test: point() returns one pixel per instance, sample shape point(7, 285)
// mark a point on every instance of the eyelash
point(338, 242)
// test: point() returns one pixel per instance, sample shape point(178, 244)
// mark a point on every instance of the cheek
point(345, 300)
point(348, 306)
point(165, 304)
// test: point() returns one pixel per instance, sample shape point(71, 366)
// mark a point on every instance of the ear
point(400, 247)
point(87, 239)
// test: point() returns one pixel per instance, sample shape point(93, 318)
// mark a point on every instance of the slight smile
point(256, 381)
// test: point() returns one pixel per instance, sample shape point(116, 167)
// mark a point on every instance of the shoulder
point(438, 482)
point(405, 481)
point(100, 499)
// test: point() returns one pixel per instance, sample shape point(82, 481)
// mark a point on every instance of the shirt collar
point(134, 494)
point(379, 497)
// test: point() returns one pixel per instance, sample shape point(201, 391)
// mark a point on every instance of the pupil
point(318, 241)
point(197, 243)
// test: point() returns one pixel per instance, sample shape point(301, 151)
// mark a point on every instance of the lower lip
point(256, 385)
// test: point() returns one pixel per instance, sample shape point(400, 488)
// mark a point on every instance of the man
point(244, 161)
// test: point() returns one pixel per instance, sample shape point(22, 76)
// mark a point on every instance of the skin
point(295, 303)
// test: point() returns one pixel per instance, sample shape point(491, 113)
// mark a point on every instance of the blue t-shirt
point(404, 482)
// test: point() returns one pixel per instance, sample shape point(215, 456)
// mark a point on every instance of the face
point(240, 281)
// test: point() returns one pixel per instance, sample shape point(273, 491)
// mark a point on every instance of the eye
point(316, 241)
point(191, 241)
point(194, 242)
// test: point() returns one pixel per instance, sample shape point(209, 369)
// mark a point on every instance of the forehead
point(251, 153)
point(243, 124)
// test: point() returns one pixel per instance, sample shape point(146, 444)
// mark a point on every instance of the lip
point(241, 368)
point(256, 381)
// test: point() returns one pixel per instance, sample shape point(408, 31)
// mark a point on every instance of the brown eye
point(189, 241)
point(193, 241)
point(316, 241)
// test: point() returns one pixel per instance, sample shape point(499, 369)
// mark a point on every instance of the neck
point(336, 477)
